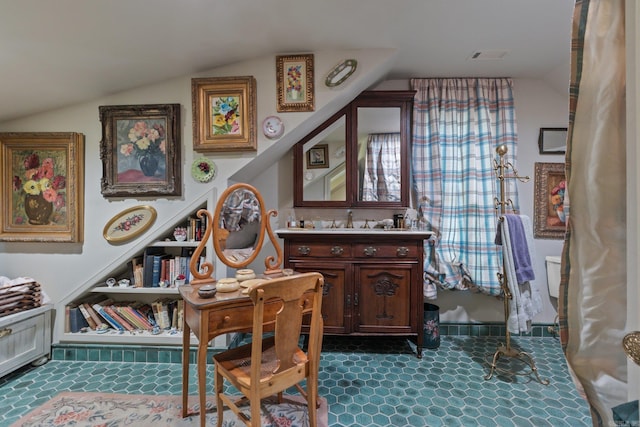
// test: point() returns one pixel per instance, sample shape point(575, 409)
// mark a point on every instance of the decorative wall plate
point(272, 127)
point(203, 169)
point(129, 223)
point(341, 72)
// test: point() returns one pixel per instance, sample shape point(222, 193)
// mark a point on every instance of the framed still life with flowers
point(294, 75)
point(140, 150)
point(42, 186)
point(224, 113)
point(550, 188)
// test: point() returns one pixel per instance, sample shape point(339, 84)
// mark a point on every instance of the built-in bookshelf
point(144, 291)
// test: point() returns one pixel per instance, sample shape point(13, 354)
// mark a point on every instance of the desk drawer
point(319, 250)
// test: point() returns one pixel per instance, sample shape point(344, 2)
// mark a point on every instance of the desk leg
point(202, 379)
point(186, 335)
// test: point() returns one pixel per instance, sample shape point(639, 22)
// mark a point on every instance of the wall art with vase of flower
point(140, 150)
point(295, 81)
point(41, 186)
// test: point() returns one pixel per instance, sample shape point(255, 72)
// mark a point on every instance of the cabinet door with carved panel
point(336, 318)
point(382, 299)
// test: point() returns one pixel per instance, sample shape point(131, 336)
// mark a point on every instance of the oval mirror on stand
point(238, 227)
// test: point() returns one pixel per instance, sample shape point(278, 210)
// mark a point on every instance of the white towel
point(526, 301)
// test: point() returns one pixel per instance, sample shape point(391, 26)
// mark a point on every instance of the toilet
point(553, 275)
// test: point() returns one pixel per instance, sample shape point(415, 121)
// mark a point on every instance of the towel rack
point(505, 349)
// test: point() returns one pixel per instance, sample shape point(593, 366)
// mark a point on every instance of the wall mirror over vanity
point(359, 157)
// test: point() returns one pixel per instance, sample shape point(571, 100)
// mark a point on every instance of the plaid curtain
point(592, 306)
point(458, 123)
point(382, 176)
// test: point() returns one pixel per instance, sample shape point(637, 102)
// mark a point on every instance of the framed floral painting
point(224, 114)
point(294, 76)
point(42, 186)
point(129, 223)
point(550, 187)
point(140, 150)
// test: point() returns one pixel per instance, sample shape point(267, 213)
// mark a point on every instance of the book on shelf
point(148, 264)
point(92, 323)
point(136, 271)
point(95, 316)
point(107, 317)
point(127, 314)
point(74, 320)
point(116, 316)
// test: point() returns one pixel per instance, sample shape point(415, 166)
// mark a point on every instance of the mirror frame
point(272, 265)
point(402, 99)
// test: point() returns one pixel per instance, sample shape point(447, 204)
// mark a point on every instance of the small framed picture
point(550, 187)
point(42, 187)
point(318, 156)
point(140, 150)
point(552, 140)
point(294, 74)
point(129, 223)
point(224, 114)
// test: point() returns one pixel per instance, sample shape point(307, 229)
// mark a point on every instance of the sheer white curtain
point(458, 123)
point(592, 303)
point(381, 180)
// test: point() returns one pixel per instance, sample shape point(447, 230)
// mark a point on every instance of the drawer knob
point(402, 251)
point(304, 250)
point(337, 250)
point(370, 251)
point(5, 332)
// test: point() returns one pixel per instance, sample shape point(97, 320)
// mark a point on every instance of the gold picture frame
point(550, 187)
point(224, 114)
point(294, 77)
point(129, 223)
point(140, 150)
point(42, 187)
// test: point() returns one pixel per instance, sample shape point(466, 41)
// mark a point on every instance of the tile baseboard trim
point(173, 354)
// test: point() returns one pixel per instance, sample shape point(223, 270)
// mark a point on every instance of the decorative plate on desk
point(203, 169)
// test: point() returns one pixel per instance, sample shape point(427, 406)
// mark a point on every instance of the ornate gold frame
point(218, 131)
point(57, 191)
point(130, 222)
point(547, 224)
point(295, 92)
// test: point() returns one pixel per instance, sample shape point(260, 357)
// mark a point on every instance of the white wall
point(67, 270)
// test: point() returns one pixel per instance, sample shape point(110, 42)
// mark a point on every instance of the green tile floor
point(367, 382)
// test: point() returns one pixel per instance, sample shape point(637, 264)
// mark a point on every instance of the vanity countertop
point(353, 231)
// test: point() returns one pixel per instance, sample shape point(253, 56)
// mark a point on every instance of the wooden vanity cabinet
point(373, 281)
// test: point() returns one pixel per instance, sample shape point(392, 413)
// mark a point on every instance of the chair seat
point(237, 362)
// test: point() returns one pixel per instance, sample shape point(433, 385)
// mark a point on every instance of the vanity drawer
point(385, 251)
point(319, 250)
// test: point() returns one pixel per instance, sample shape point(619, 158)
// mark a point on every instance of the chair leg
point(312, 400)
point(218, 385)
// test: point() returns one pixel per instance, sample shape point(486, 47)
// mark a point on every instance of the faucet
point(350, 220)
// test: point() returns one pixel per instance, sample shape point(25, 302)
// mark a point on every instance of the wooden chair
point(268, 366)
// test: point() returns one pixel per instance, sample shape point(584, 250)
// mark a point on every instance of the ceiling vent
point(487, 55)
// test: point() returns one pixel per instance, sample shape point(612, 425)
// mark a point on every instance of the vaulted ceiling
point(57, 53)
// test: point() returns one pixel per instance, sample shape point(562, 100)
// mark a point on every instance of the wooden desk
point(207, 318)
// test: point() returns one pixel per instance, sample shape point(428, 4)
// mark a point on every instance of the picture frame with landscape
point(295, 86)
point(224, 114)
point(141, 150)
point(42, 187)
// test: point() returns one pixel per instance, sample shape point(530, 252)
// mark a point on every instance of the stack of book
point(156, 268)
point(162, 314)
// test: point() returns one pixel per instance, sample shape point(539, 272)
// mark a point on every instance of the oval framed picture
point(129, 223)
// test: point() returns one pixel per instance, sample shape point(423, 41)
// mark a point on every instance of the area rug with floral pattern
point(112, 410)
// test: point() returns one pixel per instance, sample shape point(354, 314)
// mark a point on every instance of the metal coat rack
point(505, 349)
